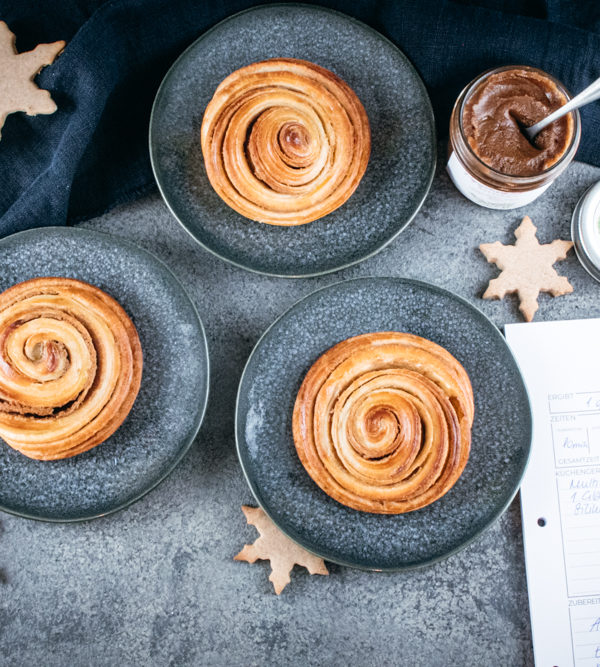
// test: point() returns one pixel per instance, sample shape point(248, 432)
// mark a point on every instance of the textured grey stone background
point(155, 584)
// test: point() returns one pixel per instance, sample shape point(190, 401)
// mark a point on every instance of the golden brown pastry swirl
point(70, 367)
point(285, 141)
point(382, 422)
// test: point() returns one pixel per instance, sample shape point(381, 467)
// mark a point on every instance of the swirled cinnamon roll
point(285, 141)
point(382, 422)
point(70, 367)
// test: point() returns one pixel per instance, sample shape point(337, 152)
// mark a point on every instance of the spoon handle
point(587, 95)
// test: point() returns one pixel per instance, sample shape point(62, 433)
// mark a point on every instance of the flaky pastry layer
point(382, 422)
point(285, 141)
point(70, 367)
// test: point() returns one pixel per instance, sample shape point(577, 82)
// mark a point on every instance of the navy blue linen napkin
point(92, 153)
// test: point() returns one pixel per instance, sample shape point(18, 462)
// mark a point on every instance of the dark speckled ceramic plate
point(501, 430)
point(403, 140)
point(167, 413)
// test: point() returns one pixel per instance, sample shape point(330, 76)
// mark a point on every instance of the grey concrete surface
point(155, 584)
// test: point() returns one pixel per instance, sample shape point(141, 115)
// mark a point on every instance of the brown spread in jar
point(496, 111)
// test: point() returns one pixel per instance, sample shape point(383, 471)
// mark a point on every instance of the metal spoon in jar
point(587, 95)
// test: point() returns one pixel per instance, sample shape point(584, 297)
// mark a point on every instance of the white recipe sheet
point(560, 494)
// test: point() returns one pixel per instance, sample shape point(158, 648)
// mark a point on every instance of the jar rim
point(585, 230)
point(571, 148)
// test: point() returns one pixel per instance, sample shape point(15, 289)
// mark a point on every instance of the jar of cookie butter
point(491, 161)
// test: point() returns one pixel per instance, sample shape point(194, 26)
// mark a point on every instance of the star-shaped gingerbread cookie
point(526, 268)
point(18, 92)
point(276, 547)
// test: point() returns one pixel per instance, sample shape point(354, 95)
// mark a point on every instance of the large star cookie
point(18, 92)
point(526, 268)
point(276, 547)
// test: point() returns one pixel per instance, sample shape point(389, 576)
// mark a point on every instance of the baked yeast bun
point(382, 422)
point(285, 141)
point(70, 367)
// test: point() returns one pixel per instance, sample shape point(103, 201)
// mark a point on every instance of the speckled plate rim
point(326, 555)
point(202, 404)
point(173, 72)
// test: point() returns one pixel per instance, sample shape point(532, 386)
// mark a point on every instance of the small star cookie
point(18, 92)
point(276, 547)
point(526, 268)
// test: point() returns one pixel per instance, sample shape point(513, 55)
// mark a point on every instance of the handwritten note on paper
point(560, 494)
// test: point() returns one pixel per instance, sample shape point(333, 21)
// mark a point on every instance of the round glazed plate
point(168, 410)
point(402, 160)
point(501, 435)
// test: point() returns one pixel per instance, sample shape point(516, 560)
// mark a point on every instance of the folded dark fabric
point(92, 153)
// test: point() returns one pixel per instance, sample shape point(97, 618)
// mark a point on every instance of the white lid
point(585, 230)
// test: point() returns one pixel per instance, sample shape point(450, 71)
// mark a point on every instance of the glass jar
point(486, 186)
point(585, 230)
